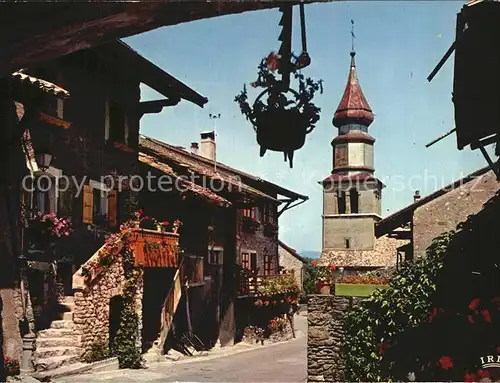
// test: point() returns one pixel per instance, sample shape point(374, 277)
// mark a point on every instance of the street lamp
point(43, 160)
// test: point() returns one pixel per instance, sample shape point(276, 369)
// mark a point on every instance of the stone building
point(289, 259)
point(441, 211)
point(87, 142)
point(230, 221)
point(352, 195)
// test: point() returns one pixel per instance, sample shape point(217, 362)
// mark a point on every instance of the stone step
point(62, 324)
point(63, 371)
point(57, 342)
point(68, 316)
point(69, 299)
point(50, 352)
point(58, 333)
point(55, 362)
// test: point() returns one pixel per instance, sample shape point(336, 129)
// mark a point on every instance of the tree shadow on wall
point(464, 320)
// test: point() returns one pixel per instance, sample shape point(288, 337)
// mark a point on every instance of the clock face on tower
point(340, 155)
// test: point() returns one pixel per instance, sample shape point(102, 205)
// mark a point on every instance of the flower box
point(356, 290)
point(155, 248)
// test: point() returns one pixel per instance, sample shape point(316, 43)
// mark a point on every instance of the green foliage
point(280, 284)
point(124, 345)
point(309, 284)
point(98, 351)
point(374, 324)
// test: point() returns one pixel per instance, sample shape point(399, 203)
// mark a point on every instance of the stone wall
point(92, 305)
point(326, 317)
point(444, 213)
point(289, 262)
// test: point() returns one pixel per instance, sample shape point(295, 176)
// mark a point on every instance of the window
point(249, 212)
point(100, 202)
point(215, 255)
point(352, 127)
point(354, 201)
point(268, 266)
point(116, 124)
point(245, 260)
point(268, 213)
point(45, 190)
point(342, 202)
point(347, 243)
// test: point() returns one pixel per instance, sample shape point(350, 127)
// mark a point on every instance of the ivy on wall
point(125, 342)
point(373, 325)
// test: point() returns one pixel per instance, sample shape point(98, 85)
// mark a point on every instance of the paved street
point(280, 362)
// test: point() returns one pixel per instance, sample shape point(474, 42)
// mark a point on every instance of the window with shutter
point(88, 204)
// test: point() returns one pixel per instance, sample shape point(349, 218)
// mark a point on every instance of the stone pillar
point(326, 317)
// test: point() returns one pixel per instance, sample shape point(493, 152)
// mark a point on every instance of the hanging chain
point(303, 60)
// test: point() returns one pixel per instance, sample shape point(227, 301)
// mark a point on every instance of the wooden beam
point(34, 32)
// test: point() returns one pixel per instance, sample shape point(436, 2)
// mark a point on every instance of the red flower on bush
point(469, 378)
point(314, 263)
point(470, 319)
point(486, 315)
point(445, 362)
point(482, 374)
point(333, 267)
point(473, 305)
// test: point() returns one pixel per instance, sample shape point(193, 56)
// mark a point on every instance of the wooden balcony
point(155, 248)
point(192, 270)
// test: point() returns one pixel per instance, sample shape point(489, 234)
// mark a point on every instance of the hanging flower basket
point(155, 248)
point(286, 117)
point(323, 287)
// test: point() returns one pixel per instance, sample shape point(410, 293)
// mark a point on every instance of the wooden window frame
point(52, 194)
point(245, 259)
point(220, 255)
point(268, 265)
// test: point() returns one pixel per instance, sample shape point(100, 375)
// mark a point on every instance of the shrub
point(99, 350)
point(373, 325)
point(12, 367)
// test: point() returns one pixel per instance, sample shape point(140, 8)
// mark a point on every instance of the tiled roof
point(198, 190)
point(353, 107)
point(42, 85)
point(292, 252)
point(227, 169)
point(193, 163)
point(383, 254)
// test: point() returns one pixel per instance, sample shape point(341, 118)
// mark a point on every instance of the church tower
point(351, 193)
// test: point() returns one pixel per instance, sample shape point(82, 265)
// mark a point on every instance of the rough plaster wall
point(326, 318)
point(91, 314)
point(446, 212)
point(329, 201)
point(289, 262)
point(368, 151)
point(368, 202)
point(11, 314)
point(360, 230)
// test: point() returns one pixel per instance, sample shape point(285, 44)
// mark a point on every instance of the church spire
point(353, 108)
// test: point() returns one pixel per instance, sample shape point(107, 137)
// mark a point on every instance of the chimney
point(416, 196)
point(194, 148)
point(207, 145)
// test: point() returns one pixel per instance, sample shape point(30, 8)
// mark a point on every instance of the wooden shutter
point(112, 202)
point(88, 203)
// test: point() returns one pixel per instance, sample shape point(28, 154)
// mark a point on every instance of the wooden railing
point(250, 283)
point(192, 270)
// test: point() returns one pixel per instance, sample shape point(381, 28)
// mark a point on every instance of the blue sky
point(397, 44)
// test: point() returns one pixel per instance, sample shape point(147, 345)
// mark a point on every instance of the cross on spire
point(352, 35)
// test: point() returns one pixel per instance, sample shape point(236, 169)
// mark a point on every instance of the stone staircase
point(58, 345)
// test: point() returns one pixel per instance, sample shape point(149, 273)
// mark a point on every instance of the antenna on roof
point(215, 117)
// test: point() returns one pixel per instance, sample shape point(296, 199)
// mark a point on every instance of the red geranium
point(445, 362)
point(486, 315)
point(333, 268)
point(473, 305)
point(469, 378)
point(314, 263)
